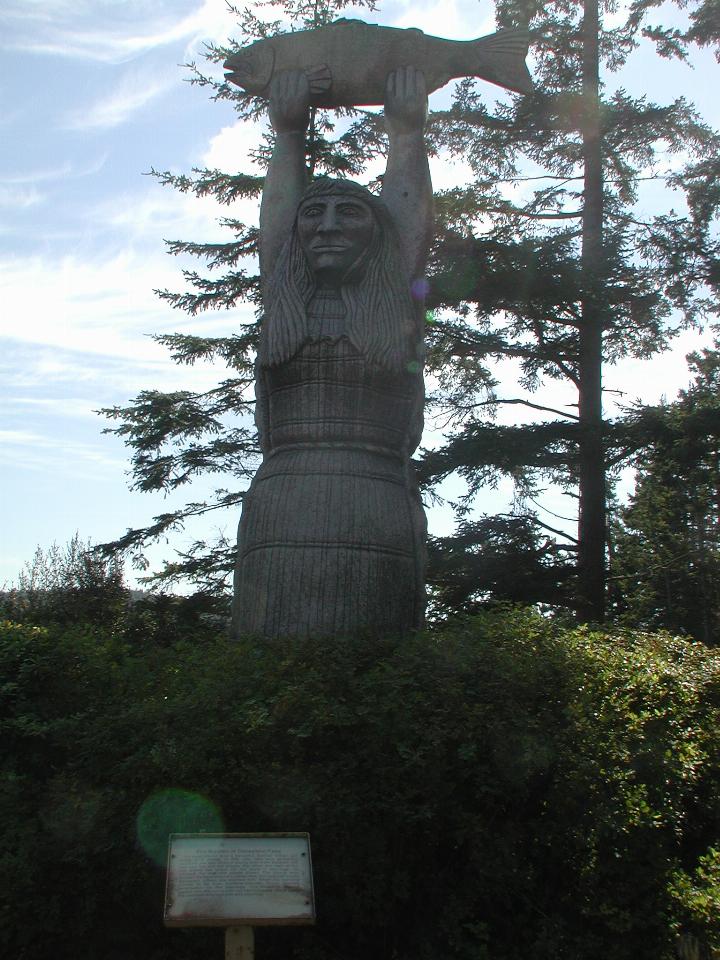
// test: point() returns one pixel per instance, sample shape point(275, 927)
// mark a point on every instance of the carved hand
point(289, 102)
point(406, 103)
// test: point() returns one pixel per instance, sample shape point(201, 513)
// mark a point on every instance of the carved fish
point(347, 62)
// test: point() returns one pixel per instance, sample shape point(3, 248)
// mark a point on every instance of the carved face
point(334, 232)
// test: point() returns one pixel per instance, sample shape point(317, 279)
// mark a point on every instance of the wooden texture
point(347, 62)
point(331, 539)
point(239, 943)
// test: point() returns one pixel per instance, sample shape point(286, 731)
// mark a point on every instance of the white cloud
point(20, 437)
point(650, 381)
point(77, 408)
point(86, 316)
point(65, 172)
point(446, 172)
point(106, 308)
point(143, 220)
point(43, 383)
point(230, 149)
point(134, 92)
point(448, 19)
point(67, 463)
point(19, 197)
point(127, 30)
point(35, 450)
point(37, 176)
point(87, 320)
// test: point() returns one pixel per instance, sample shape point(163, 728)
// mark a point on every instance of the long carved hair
point(382, 321)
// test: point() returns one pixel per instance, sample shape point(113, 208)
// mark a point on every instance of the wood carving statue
point(331, 537)
point(332, 533)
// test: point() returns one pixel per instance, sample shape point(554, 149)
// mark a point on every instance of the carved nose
point(328, 221)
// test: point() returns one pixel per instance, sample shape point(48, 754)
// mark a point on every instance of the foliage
point(666, 563)
point(568, 272)
point(66, 584)
point(504, 787)
point(498, 558)
point(698, 892)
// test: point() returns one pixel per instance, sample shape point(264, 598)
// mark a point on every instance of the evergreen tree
point(545, 258)
point(575, 276)
point(666, 556)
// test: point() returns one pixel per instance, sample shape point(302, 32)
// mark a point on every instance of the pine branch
point(222, 293)
point(221, 186)
point(536, 406)
point(217, 254)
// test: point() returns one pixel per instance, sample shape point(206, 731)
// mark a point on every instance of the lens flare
point(419, 288)
point(174, 811)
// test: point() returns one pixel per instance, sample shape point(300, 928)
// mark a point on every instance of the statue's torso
point(331, 536)
point(328, 394)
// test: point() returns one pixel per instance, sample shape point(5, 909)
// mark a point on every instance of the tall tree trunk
point(591, 529)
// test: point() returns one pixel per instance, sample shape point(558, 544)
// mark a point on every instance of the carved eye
point(245, 62)
point(351, 210)
point(314, 210)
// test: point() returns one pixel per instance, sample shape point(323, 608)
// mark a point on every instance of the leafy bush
point(67, 584)
point(502, 788)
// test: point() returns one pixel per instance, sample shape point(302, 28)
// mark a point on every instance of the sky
point(93, 95)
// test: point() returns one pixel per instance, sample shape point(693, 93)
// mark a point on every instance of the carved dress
point(332, 532)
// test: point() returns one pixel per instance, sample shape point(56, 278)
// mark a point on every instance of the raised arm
point(287, 175)
point(407, 190)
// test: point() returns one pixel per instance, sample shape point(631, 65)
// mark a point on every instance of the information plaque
point(231, 879)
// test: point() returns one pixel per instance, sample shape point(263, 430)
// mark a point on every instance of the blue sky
point(92, 97)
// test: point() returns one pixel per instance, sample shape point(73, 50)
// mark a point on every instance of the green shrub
point(503, 788)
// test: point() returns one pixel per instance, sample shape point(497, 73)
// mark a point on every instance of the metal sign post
point(239, 881)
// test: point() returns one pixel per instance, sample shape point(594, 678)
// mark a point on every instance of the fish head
point(252, 67)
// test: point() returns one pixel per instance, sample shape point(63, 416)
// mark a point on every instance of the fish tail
point(502, 59)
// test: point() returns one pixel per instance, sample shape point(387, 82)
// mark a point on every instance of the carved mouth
point(251, 67)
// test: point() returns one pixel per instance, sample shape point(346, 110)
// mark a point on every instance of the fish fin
point(502, 59)
point(319, 78)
